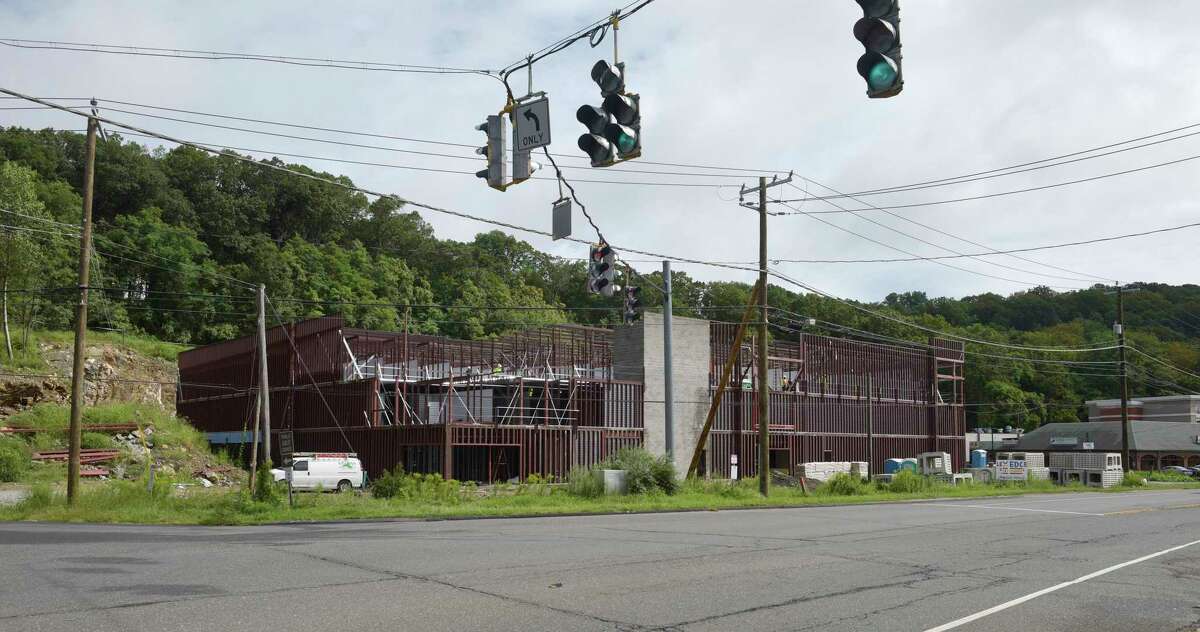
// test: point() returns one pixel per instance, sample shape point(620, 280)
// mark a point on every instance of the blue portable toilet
point(978, 458)
point(891, 466)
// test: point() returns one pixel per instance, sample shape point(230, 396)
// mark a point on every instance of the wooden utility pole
point(264, 394)
point(764, 385)
point(668, 367)
point(85, 249)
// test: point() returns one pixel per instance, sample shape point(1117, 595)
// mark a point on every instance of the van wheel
point(344, 487)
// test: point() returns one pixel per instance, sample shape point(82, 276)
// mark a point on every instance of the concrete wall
point(638, 355)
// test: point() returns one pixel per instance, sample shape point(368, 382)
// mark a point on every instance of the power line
point(909, 344)
point(1162, 362)
point(409, 139)
point(945, 334)
point(1008, 171)
point(986, 254)
point(363, 190)
point(953, 236)
point(1005, 193)
point(183, 53)
point(910, 253)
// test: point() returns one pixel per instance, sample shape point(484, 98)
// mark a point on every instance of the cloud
point(770, 85)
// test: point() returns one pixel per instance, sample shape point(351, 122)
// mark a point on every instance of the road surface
point(1090, 562)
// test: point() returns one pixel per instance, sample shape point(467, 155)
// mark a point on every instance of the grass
point(129, 502)
point(142, 344)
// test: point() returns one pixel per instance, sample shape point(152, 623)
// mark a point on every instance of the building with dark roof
point(1152, 444)
point(1179, 408)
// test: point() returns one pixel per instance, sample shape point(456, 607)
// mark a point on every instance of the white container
point(1039, 473)
point(934, 463)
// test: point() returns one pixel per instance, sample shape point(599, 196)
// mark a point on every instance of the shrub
point(416, 486)
point(535, 485)
point(1133, 479)
point(265, 489)
point(96, 441)
point(907, 482)
point(14, 459)
point(585, 483)
point(644, 473)
point(1169, 477)
point(844, 485)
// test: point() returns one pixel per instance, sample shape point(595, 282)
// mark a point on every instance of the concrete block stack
point(825, 470)
point(1097, 469)
point(935, 463)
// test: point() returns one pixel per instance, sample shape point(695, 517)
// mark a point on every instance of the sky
point(768, 86)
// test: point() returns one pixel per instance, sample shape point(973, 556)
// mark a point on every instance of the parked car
point(326, 471)
point(1179, 469)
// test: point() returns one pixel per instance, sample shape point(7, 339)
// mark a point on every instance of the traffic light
point(879, 32)
point(602, 270)
point(497, 170)
point(614, 129)
point(633, 304)
point(522, 166)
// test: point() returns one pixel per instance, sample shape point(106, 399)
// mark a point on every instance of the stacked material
point(1039, 473)
point(935, 462)
point(825, 470)
point(1031, 459)
point(1086, 460)
point(1104, 478)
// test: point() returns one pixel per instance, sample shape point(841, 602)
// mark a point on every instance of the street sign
point(532, 127)
point(1011, 471)
point(1088, 445)
point(285, 447)
point(561, 218)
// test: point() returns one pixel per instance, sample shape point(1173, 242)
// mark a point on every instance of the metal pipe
point(668, 387)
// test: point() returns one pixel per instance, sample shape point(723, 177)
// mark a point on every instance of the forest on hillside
point(181, 237)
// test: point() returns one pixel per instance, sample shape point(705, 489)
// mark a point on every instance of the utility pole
point(85, 249)
point(764, 386)
point(668, 389)
point(264, 395)
point(1120, 327)
point(870, 430)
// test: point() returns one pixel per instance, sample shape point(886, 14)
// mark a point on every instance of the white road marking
point(1053, 511)
point(1020, 600)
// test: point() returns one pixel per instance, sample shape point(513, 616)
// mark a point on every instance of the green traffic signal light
point(879, 72)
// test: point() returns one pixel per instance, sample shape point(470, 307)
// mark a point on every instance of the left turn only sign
point(532, 125)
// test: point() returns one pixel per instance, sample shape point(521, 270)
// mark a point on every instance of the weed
point(14, 459)
point(907, 482)
point(585, 483)
point(843, 484)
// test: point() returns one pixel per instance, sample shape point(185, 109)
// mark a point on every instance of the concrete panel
point(638, 355)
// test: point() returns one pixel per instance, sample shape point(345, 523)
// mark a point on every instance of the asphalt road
point(913, 566)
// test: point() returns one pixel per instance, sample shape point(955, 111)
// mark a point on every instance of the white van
point(340, 471)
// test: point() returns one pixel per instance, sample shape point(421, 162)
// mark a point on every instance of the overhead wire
point(953, 236)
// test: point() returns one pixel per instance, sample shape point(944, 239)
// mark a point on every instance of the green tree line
point(181, 235)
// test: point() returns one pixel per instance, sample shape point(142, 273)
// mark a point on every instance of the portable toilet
point(978, 458)
point(891, 466)
point(909, 464)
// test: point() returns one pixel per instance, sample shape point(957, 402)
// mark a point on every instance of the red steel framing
point(818, 406)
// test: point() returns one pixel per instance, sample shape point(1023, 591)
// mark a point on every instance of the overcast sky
point(758, 85)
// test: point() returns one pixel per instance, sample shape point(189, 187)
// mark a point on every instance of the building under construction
point(546, 400)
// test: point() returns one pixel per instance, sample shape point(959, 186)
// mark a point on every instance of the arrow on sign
point(530, 116)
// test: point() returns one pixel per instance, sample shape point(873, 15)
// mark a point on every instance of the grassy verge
point(129, 502)
point(144, 345)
